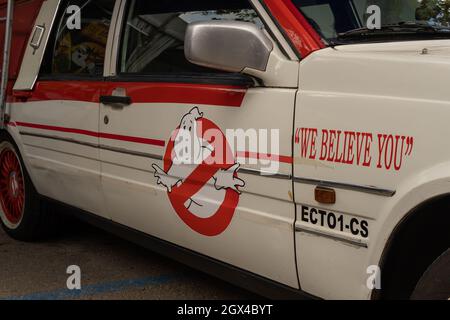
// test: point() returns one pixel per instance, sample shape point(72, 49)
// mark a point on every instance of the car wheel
point(435, 282)
point(20, 207)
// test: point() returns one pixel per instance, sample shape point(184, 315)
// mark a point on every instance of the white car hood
point(412, 70)
point(433, 48)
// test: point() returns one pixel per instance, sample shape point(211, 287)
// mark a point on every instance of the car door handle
point(118, 101)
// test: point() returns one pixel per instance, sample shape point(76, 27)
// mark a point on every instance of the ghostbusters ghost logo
point(202, 186)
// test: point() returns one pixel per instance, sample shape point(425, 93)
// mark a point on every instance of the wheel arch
point(418, 239)
point(12, 133)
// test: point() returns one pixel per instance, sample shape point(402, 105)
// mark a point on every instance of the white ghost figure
point(190, 150)
point(189, 147)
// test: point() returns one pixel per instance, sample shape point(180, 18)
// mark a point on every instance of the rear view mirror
point(227, 45)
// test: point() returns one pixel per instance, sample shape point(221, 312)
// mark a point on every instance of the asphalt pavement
point(110, 268)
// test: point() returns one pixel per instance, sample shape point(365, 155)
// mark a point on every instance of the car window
point(153, 37)
point(80, 50)
point(331, 18)
point(322, 16)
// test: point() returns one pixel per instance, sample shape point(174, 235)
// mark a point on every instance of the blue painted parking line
point(95, 289)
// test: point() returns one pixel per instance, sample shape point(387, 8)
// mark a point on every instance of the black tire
point(27, 219)
point(435, 282)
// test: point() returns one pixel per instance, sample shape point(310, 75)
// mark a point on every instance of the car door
point(239, 211)
point(57, 114)
point(349, 158)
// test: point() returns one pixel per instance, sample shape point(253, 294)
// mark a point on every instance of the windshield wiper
point(396, 29)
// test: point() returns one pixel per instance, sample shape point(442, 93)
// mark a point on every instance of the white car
point(298, 148)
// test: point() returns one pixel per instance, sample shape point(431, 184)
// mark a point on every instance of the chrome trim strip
point(68, 140)
point(59, 151)
point(346, 186)
point(94, 145)
point(333, 237)
point(266, 174)
point(255, 172)
point(132, 153)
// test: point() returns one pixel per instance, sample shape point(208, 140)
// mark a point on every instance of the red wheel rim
point(12, 191)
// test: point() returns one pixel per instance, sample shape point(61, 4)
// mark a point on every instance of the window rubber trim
point(220, 79)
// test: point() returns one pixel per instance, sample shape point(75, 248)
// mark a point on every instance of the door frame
point(113, 45)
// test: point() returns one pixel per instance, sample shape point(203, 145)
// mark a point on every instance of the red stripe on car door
point(204, 94)
point(141, 92)
point(109, 136)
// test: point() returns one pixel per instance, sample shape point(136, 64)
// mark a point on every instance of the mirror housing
point(232, 46)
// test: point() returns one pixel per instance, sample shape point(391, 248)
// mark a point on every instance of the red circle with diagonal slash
point(220, 221)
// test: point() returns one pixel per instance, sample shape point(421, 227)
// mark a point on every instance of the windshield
point(335, 19)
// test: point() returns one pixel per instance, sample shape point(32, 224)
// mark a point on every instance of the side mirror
point(228, 45)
